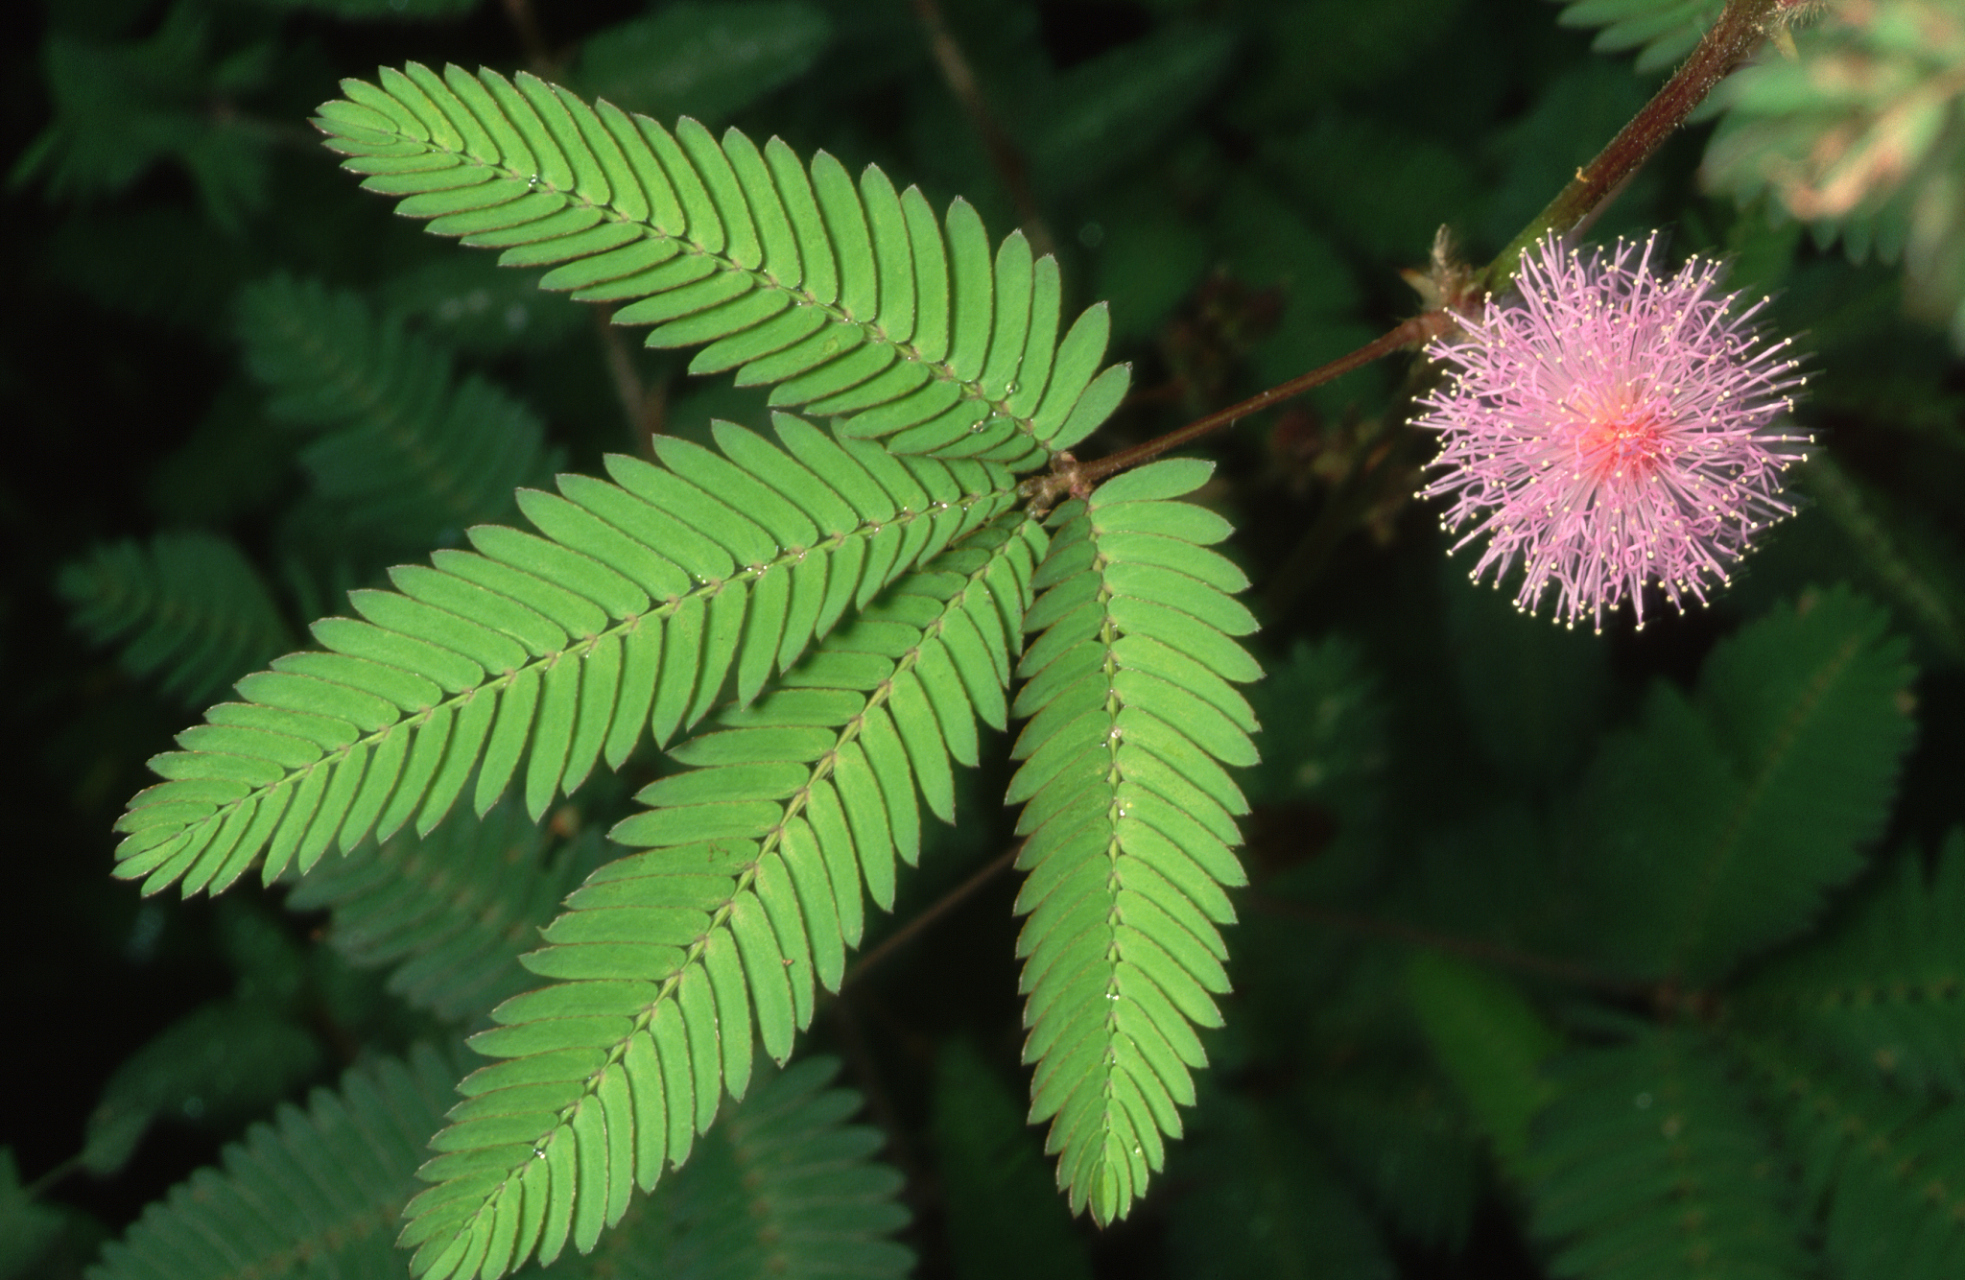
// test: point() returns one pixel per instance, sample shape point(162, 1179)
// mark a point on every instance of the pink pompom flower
point(1611, 427)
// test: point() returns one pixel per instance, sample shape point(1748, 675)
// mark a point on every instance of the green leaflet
point(1884, 1167)
point(1779, 770)
point(532, 657)
point(848, 296)
point(1130, 820)
point(739, 906)
point(320, 1185)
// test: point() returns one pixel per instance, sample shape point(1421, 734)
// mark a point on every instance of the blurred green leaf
point(709, 61)
point(216, 1066)
point(1004, 1214)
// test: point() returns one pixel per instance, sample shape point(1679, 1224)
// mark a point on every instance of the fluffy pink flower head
point(1611, 427)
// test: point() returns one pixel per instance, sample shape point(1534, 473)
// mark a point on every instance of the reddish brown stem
point(1078, 477)
point(1731, 39)
point(909, 931)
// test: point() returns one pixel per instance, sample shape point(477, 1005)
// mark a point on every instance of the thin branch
point(909, 931)
point(1732, 38)
point(1003, 154)
point(1077, 478)
point(526, 23)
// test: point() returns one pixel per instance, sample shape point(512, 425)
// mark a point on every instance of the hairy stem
point(1077, 478)
point(1733, 37)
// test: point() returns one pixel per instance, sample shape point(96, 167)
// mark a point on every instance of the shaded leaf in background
point(1101, 114)
point(1717, 826)
point(1862, 137)
point(450, 912)
point(1491, 1043)
point(1258, 1202)
point(407, 452)
point(1664, 31)
point(1002, 1210)
point(1649, 1162)
point(218, 1065)
point(121, 108)
point(1883, 990)
point(188, 610)
point(703, 60)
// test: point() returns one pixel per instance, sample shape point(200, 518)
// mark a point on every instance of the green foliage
point(1553, 957)
point(748, 892)
point(1778, 772)
point(315, 1190)
point(1491, 1043)
point(1881, 992)
point(702, 60)
point(1648, 1164)
point(227, 1059)
point(553, 652)
point(319, 1191)
point(450, 912)
point(1884, 1169)
point(409, 453)
point(1003, 1214)
point(120, 108)
point(1862, 136)
point(188, 609)
point(1260, 1202)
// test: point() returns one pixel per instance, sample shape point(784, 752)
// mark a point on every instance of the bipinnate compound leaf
point(671, 964)
point(850, 299)
point(1650, 1161)
point(527, 661)
point(1717, 826)
point(404, 449)
point(451, 912)
point(1129, 817)
point(1882, 1169)
point(1883, 990)
point(188, 610)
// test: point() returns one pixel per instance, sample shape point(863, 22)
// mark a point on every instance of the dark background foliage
point(1244, 180)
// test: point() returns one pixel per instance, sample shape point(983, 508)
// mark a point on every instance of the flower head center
point(1619, 442)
